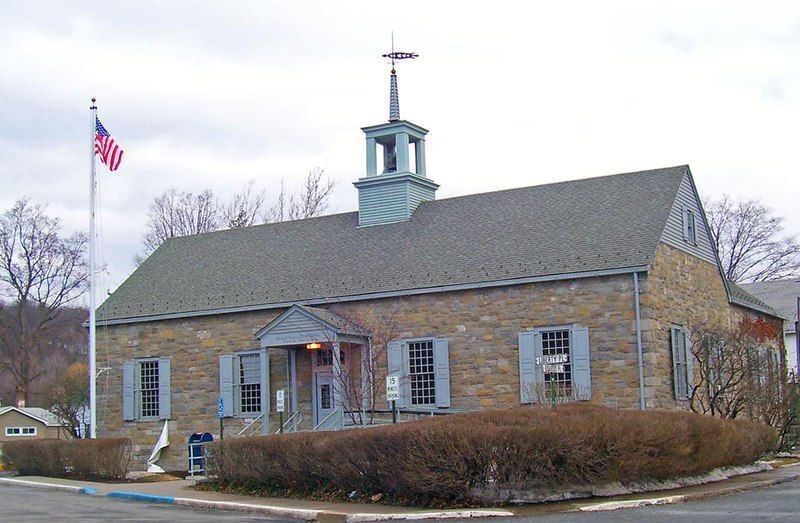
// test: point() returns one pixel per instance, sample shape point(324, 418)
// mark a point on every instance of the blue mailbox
point(197, 452)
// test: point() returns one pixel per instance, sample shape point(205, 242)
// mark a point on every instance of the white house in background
point(782, 295)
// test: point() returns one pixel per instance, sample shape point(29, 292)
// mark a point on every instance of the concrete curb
point(443, 514)
point(48, 486)
point(266, 510)
point(683, 498)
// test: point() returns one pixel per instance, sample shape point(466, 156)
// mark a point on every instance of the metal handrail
point(326, 418)
point(299, 420)
point(247, 427)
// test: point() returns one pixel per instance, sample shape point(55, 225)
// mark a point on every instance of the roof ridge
point(433, 202)
point(563, 182)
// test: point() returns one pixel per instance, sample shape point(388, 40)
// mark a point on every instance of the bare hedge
point(453, 459)
point(81, 458)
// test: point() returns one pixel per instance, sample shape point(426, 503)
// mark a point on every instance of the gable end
point(674, 233)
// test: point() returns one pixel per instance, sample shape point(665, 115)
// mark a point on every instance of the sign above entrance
point(392, 388)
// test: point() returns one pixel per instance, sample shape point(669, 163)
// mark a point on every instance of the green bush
point(451, 459)
point(82, 458)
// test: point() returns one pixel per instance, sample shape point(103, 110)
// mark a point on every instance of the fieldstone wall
point(481, 325)
point(684, 290)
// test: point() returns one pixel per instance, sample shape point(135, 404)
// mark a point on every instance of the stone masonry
point(481, 325)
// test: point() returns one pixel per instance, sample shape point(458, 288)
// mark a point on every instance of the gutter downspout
point(637, 308)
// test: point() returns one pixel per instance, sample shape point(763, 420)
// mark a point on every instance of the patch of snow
point(541, 495)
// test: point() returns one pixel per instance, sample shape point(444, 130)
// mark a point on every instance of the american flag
point(110, 152)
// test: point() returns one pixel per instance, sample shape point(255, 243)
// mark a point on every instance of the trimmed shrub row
point(456, 459)
point(81, 458)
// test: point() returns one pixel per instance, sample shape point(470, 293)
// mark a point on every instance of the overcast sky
point(213, 94)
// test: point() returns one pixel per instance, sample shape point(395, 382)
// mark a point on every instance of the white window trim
point(406, 371)
point(406, 354)
point(237, 385)
point(137, 389)
point(21, 431)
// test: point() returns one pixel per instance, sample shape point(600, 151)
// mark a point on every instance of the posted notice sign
point(220, 408)
point(392, 388)
point(280, 400)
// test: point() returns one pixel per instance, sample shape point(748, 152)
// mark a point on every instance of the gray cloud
point(203, 94)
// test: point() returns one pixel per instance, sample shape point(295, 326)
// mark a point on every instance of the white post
point(92, 305)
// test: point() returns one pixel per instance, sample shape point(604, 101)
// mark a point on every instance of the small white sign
point(392, 388)
point(280, 400)
point(553, 359)
point(553, 369)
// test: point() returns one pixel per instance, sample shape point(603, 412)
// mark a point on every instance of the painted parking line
point(138, 496)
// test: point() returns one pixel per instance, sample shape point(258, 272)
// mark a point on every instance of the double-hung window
point(249, 397)
point(244, 383)
point(423, 367)
point(682, 362)
point(422, 373)
point(146, 389)
point(554, 364)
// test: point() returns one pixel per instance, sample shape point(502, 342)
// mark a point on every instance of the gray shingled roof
point(49, 419)
point(740, 296)
point(780, 294)
point(595, 224)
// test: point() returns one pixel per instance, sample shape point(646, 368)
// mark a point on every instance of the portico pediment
point(302, 324)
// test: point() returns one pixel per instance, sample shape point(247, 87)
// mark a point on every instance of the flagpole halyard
point(92, 304)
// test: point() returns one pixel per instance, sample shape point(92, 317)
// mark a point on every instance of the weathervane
point(394, 98)
point(398, 55)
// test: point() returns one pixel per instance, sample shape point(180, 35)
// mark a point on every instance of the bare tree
point(720, 367)
point(738, 372)
point(362, 381)
point(749, 241)
point(41, 272)
point(174, 213)
point(312, 200)
point(245, 208)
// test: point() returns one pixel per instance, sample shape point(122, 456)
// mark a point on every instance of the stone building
point(584, 289)
point(784, 296)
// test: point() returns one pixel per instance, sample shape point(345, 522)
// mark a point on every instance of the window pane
point(250, 383)
point(421, 373)
point(148, 378)
point(325, 396)
point(556, 346)
point(324, 357)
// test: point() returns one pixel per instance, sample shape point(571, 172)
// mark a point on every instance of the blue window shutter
point(685, 223)
point(441, 359)
point(581, 368)
point(265, 394)
point(226, 384)
point(164, 389)
point(264, 370)
point(527, 367)
point(688, 356)
point(394, 360)
point(678, 366)
point(128, 382)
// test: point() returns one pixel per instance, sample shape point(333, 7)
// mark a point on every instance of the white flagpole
point(92, 305)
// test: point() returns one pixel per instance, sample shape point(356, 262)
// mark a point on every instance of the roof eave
point(378, 295)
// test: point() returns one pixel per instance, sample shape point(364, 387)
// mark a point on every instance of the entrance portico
point(335, 349)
